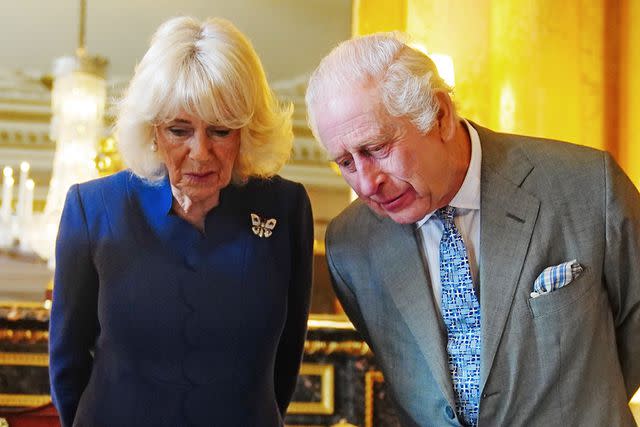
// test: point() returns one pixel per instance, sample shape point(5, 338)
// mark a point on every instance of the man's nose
point(369, 176)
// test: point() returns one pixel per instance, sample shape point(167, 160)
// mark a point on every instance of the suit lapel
point(508, 215)
point(405, 277)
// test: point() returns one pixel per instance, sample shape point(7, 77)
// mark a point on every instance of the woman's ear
point(446, 117)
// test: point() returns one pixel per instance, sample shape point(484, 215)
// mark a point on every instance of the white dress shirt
point(467, 221)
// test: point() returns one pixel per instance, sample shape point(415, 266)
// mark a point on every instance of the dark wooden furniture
point(339, 379)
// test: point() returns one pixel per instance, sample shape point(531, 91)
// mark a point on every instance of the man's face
point(395, 169)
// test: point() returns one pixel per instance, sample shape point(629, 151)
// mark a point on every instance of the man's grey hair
point(406, 78)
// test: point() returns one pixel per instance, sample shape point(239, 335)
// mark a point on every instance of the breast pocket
point(578, 295)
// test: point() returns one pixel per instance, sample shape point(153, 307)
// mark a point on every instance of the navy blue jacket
point(157, 324)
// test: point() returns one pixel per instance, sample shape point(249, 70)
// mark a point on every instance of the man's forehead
point(352, 133)
point(351, 121)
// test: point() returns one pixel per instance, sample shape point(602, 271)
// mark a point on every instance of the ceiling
point(289, 35)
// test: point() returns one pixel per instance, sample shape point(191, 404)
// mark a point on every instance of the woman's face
point(199, 156)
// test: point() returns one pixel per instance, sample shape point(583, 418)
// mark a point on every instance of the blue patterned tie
point(461, 315)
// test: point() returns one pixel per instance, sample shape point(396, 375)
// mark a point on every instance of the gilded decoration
point(370, 379)
point(24, 400)
point(321, 394)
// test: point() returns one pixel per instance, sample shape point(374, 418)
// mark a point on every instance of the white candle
point(22, 189)
point(7, 193)
point(27, 216)
point(28, 201)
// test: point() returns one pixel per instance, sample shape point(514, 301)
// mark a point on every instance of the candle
point(22, 189)
point(7, 193)
point(28, 201)
point(27, 215)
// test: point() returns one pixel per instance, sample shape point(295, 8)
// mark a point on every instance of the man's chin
point(403, 216)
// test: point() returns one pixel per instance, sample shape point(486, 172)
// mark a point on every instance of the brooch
point(261, 227)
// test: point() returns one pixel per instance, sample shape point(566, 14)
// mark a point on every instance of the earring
point(154, 146)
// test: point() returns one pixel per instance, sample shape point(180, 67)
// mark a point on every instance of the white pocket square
point(555, 277)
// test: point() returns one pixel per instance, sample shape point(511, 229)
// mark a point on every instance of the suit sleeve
point(73, 323)
point(343, 291)
point(622, 268)
point(291, 345)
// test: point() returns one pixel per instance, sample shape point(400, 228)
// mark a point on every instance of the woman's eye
point(220, 133)
point(179, 132)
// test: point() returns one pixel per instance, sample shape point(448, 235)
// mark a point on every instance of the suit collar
point(508, 216)
point(404, 275)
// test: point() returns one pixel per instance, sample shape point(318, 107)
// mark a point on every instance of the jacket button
point(450, 412)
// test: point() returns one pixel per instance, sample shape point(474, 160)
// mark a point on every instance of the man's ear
point(446, 116)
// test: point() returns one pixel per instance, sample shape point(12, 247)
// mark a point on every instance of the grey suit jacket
point(570, 357)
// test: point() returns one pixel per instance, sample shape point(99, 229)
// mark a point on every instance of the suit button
point(450, 412)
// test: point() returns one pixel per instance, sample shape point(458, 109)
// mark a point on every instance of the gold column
point(547, 69)
point(459, 29)
point(629, 147)
point(372, 16)
point(563, 70)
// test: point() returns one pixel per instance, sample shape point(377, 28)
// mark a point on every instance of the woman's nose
point(200, 147)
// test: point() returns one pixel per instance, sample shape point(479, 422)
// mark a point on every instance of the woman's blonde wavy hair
point(209, 70)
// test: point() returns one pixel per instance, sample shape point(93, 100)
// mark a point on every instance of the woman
point(182, 285)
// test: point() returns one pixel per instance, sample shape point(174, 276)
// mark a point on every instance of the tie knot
point(446, 214)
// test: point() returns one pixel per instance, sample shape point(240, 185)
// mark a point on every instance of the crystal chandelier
point(78, 100)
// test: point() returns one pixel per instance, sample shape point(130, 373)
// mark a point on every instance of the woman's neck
point(193, 211)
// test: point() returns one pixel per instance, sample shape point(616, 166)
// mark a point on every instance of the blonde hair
point(406, 78)
point(210, 70)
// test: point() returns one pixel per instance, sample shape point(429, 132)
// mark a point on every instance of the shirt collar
point(468, 196)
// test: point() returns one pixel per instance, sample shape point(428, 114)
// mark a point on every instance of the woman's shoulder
point(111, 187)
point(107, 182)
point(275, 184)
point(277, 192)
point(98, 185)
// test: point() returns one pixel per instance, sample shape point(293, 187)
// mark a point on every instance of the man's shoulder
point(351, 227)
point(551, 160)
point(540, 151)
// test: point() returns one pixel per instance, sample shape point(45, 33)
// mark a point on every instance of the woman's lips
point(198, 176)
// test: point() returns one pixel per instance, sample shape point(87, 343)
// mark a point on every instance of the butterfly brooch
point(262, 227)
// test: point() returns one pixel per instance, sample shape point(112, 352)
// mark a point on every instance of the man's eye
point(345, 163)
point(378, 149)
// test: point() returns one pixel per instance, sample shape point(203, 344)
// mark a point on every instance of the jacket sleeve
point(291, 346)
point(622, 268)
point(73, 323)
point(343, 291)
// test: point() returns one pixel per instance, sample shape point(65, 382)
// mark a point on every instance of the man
point(440, 262)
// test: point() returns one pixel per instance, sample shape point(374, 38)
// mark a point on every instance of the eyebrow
point(185, 121)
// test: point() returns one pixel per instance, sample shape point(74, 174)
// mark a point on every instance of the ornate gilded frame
point(370, 378)
point(326, 404)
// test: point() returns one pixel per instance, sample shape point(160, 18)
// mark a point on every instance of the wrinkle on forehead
point(352, 125)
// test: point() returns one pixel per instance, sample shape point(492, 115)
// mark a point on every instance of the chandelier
point(78, 101)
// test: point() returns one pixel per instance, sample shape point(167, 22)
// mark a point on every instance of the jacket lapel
point(405, 278)
point(508, 215)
